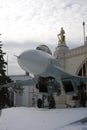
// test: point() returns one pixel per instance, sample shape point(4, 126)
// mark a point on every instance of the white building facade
point(29, 96)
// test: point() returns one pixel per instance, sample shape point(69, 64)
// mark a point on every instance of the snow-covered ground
point(22, 118)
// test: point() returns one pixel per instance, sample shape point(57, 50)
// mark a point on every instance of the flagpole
point(84, 31)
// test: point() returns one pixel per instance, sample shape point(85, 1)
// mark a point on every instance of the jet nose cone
point(33, 61)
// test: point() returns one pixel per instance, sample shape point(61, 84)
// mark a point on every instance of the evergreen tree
point(4, 93)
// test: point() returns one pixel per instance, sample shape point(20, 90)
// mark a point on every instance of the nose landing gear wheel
point(39, 103)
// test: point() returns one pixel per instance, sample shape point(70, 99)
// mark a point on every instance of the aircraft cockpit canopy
point(44, 48)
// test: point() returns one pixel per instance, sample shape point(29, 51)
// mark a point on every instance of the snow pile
point(23, 118)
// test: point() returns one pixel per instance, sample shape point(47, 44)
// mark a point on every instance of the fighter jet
point(48, 76)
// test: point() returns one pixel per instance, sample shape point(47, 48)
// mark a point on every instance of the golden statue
point(61, 36)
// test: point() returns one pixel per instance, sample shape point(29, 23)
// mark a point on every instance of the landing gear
point(46, 102)
point(51, 101)
point(42, 101)
point(46, 86)
point(39, 103)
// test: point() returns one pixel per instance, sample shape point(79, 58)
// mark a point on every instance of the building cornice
point(76, 51)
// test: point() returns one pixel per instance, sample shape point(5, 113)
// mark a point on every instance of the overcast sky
point(25, 24)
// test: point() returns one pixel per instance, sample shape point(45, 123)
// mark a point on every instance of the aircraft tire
point(39, 103)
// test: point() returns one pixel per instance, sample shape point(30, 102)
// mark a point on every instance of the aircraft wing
point(18, 83)
point(69, 82)
point(58, 72)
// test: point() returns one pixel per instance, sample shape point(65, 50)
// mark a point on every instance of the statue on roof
point(61, 36)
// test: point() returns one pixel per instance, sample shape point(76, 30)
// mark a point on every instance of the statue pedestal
point(60, 50)
point(62, 47)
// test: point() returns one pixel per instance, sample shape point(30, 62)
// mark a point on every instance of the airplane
point(48, 76)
